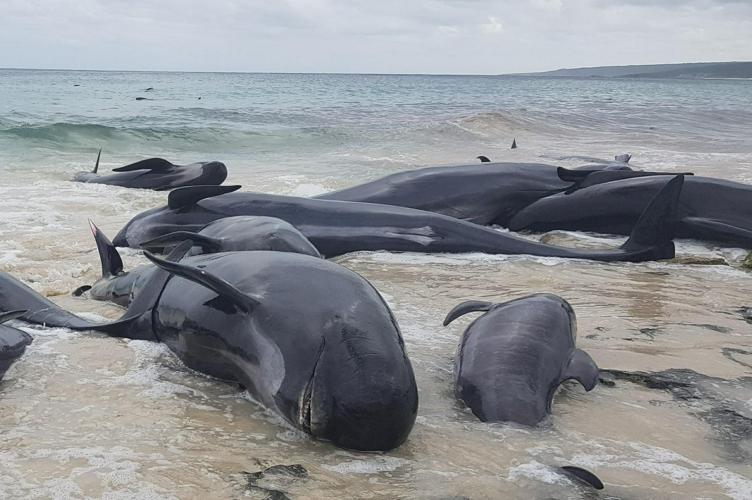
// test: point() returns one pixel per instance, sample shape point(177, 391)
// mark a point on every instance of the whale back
point(511, 360)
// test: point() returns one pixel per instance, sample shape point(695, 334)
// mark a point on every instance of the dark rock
point(718, 402)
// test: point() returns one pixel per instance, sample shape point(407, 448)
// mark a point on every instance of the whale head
point(362, 394)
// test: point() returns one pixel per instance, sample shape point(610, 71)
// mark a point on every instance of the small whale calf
point(512, 359)
point(157, 174)
point(13, 341)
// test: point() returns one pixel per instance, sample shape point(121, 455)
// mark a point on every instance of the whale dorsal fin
point(96, 164)
point(7, 316)
point(582, 475)
point(581, 368)
point(467, 307)
point(112, 264)
point(156, 164)
point(207, 244)
point(216, 284)
point(483, 159)
point(623, 158)
point(190, 195)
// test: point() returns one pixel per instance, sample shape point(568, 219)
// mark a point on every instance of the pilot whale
point(13, 342)
point(340, 227)
point(312, 341)
point(512, 359)
point(157, 174)
point(488, 194)
point(709, 209)
point(224, 235)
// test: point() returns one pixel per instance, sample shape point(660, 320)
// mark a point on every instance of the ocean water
point(83, 415)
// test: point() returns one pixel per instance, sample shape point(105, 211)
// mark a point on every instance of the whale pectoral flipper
point(583, 475)
point(190, 195)
point(581, 368)
point(7, 316)
point(221, 287)
point(467, 307)
point(207, 244)
point(155, 164)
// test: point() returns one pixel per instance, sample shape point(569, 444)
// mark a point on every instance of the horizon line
point(517, 73)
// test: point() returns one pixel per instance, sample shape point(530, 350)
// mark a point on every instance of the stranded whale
point(223, 235)
point(13, 341)
point(158, 174)
point(339, 227)
point(512, 359)
point(311, 340)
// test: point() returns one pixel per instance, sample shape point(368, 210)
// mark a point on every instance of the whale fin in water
point(7, 316)
point(207, 244)
point(190, 195)
point(155, 164)
point(216, 284)
point(80, 290)
point(96, 163)
point(581, 368)
point(582, 475)
point(467, 307)
point(483, 159)
point(514, 143)
point(112, 264)
point(657, 224)
point(623, 158)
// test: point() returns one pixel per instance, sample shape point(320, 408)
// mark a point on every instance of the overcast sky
point(370, 36)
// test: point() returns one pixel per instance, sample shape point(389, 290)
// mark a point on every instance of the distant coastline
point(699, 71)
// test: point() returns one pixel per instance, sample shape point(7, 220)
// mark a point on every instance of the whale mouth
point(307, 396)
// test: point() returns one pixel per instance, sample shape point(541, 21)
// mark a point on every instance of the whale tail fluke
point(112, 264)
point(207, 244)
point(656, 227)
point(96, 164)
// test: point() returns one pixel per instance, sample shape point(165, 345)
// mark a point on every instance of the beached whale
point(158, 174)
point(512, 359)
point(709, 209)
point(340, 227)
point(13, 341)
point(312, 341)
point(243, 233)
point(489, 193)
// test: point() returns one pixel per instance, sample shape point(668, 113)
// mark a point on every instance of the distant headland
point(685, 70)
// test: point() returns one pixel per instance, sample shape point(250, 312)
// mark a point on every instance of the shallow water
point(83, 415)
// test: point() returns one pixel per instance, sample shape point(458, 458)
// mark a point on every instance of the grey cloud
point(441, 36)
